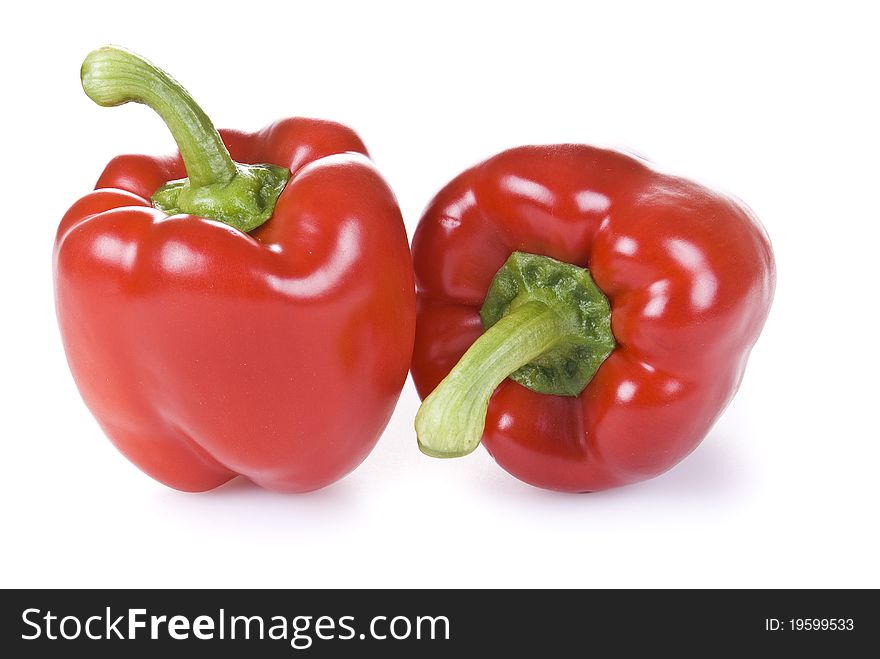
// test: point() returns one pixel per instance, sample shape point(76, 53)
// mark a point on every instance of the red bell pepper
point(621, 301)
point(252, 319)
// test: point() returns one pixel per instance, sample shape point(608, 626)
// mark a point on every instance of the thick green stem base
point(245, 202)
point(548, 327)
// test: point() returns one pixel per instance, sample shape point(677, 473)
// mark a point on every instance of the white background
point(776, 103)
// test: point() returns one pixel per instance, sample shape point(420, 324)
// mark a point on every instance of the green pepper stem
point(451, 420)
point(216, 187)
point(114, 76)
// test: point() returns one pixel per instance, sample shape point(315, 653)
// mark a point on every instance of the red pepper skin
point(690, 276)
point(205, 352)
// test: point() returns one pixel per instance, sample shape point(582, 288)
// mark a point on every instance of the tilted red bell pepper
point(623, 302)
point(271, 340)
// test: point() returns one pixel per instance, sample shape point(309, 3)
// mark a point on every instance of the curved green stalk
point(548, 326)
point(216, 187)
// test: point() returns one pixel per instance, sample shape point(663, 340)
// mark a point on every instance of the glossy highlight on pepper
point(689, 275)
point(258, 325)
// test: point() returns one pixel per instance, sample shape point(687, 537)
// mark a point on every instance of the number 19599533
point(809, 624)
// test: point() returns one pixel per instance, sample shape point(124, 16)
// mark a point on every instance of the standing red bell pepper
point(621, 301)
point(251, 319)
